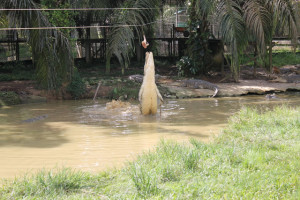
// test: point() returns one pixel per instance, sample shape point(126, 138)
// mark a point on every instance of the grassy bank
point(280, 58)
point(257, 157)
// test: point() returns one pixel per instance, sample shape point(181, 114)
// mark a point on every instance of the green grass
point(257, 157)
point(11, 71)
point(284, 58)
point(280, 58)
point(18, 75)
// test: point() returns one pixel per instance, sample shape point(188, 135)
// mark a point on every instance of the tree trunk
point(222, 65)
point(255, 60)
point(17, 48)
point(107, 71)
point(270, 56)
point(88, 57)
point(87, 51)
point(139, 51)
point(123, 70)
point(235, 63)
point(87, 45)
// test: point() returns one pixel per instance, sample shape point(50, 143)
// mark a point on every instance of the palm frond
point(287, 17)
point(232, 28)
point(3, 20)
point(258, 20)
point(50, 48)
point(206, 7)
point(94, 14)
point(121, 38)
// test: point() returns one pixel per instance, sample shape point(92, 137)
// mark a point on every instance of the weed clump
point(77, 86)
point(9, 98)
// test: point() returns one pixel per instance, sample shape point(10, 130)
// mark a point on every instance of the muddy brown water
point(87, 136)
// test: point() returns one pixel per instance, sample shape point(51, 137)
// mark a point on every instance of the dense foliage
point(76, 87)
point(240, 22)
point(59, 18)
point(51, 51)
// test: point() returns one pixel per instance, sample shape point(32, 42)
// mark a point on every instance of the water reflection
point(88, 136)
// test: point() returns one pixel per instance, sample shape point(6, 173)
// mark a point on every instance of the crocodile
point(31, 120)
point(149, 95)
point(200, 84)
point(139, 78)
point(271, 96)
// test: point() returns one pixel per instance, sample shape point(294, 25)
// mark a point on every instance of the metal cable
point(80, 27)
point(75, 9)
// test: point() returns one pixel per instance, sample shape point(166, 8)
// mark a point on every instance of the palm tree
point(50, 48)
point(233, 31)
point(85, 18)
point(198, 39)
point(127, 25)
point(121, 38)
point(137, 22)
point(265, 18)
point(240, 20)
point(283, 15)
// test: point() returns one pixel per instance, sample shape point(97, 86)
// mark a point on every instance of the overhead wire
point(81, 27)
point(75, 9)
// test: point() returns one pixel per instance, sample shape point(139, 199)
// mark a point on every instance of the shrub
point(5, 77)
point(9, 98)
point(76, 87)
point(124, 89)
point(186, 67)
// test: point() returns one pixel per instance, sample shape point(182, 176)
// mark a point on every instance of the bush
point(6, 77)
point(76, 87)
point(17, 75)
point(186, 67)
point(23, 75)
point(11, 71)
point(9, 98)
point(10, 67)
point(125, 89)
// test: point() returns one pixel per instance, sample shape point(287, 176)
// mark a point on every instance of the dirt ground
point(21, 87)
